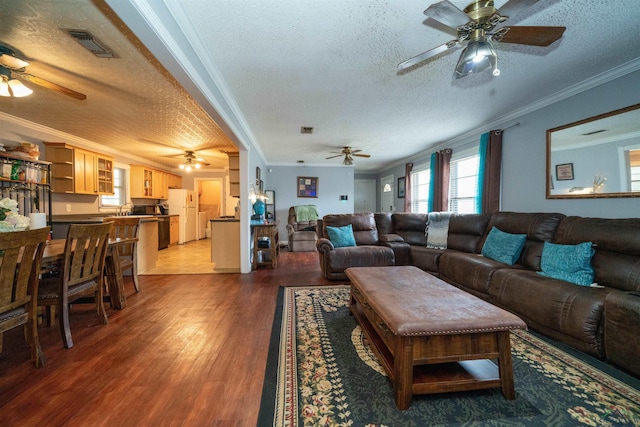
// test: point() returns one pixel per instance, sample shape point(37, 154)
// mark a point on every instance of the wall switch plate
point(68, 207)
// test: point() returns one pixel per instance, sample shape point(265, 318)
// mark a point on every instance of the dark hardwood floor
point(187, 350)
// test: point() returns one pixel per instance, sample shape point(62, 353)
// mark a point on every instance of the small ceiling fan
point(476, 27)
point(191, 161)
point(10, 64)
point(348, 154)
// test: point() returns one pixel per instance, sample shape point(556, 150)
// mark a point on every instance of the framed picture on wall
point(564, 172)
point(402, 184)
point(307, 186)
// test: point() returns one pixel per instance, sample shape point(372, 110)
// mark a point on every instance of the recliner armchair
point(302, 234)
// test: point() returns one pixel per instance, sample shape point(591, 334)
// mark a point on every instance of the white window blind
point(119, 193)
point(420, 180)
point(463, 185)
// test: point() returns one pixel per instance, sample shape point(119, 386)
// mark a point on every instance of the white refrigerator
point(183, 202)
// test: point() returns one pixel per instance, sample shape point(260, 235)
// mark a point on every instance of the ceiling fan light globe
point(477, 57)
point(197, 165)
point(181, 166)
point(18, 89)
point(12, 62)
point(4, 89)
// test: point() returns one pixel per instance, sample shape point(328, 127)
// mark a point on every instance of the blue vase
point(258, 207)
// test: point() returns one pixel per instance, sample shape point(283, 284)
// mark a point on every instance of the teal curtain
point(482, 165)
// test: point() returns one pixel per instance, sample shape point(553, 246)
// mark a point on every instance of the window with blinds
point(634, 170)
point(463, 185)
point(118, 198)
point(420, 180)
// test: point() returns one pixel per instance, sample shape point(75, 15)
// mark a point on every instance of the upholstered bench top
point(412, 302)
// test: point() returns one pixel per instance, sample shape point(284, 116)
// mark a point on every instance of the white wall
point(524, 153)
point(332, 183)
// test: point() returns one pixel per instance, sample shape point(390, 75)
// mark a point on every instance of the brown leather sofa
point(368, 251)
point(601, 321)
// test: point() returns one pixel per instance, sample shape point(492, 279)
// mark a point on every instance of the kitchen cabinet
point(174, 230)
point(225, 245)
point(147, 183)
point(79, 171)
point(105, 175)
point(141, 182)
point(234, 174)
point(28, 182)
point(84, 177)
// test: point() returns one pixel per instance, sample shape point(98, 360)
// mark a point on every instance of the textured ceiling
point(279, 65)
point(132, 104)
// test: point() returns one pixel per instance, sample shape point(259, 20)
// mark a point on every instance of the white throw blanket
point(437, 230)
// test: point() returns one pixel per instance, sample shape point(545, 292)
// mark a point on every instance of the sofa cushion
point(341, 236)
point(561, 310)
point(568, 262)
point(503, 247)
point(364, 226)
point(410, 226)
point(539, 228)
point(471, 272)
point(617, 243)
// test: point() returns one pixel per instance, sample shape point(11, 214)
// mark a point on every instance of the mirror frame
point(549, 167)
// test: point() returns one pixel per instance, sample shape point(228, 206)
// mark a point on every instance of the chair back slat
point(125, 228)
point(85, 252)
point(20, 259)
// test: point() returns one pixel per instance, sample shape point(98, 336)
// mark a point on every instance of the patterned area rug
point(321, 372)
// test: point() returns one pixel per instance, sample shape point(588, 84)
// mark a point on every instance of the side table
point(267, 256)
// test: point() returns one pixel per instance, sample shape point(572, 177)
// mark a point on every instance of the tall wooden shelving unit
point(28, 182)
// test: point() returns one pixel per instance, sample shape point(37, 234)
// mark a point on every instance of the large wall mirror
point(595, 157)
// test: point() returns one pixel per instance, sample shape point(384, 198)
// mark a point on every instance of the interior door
point(386, 194)
point(364, 195)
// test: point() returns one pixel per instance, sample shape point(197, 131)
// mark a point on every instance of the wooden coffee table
point(430, 336)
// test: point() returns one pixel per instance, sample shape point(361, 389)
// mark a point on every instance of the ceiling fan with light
point(191, 161)
point(10, 64)
point(348, 154)
point(477, 27)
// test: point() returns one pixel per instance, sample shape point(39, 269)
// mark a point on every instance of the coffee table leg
point(505, 365)
point(403, 367)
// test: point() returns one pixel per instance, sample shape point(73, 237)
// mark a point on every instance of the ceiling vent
point(306, 129)
point(92, 44)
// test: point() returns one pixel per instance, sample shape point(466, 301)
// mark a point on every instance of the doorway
point(386, 194)
point(364, 195)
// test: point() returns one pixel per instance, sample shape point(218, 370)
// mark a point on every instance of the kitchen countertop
point(95, 218)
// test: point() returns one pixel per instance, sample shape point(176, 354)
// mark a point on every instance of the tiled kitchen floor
point(191, 258)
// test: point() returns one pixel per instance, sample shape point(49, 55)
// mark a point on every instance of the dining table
point(53, 257)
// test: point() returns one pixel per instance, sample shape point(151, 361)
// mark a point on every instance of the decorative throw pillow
point(341, 236)
point(503, 247)
point(571, 263)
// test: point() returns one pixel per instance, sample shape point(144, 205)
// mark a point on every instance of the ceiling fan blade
point(363, 155)
point(512, 8)
point(447, 13)
point(428, 54)
point(333, 157)
point(49, 85)
point(532, 36)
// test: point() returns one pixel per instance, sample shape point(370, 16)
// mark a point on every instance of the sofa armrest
point(390, 238)
point(290, 229)
point(324, 245)
point(621, 324)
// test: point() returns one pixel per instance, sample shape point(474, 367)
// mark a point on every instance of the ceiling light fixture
point(10, 86)
point(477, 57)
point(190, 163)
point(348, 160)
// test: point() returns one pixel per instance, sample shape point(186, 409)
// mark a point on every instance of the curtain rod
point(499, 131)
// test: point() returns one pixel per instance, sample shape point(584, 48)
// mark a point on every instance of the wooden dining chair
point(126, 227)
point(81, 274)
point(20, 259)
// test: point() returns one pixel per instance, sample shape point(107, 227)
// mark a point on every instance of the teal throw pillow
point(571, 263)
point(341, 236)
point(503, 247)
